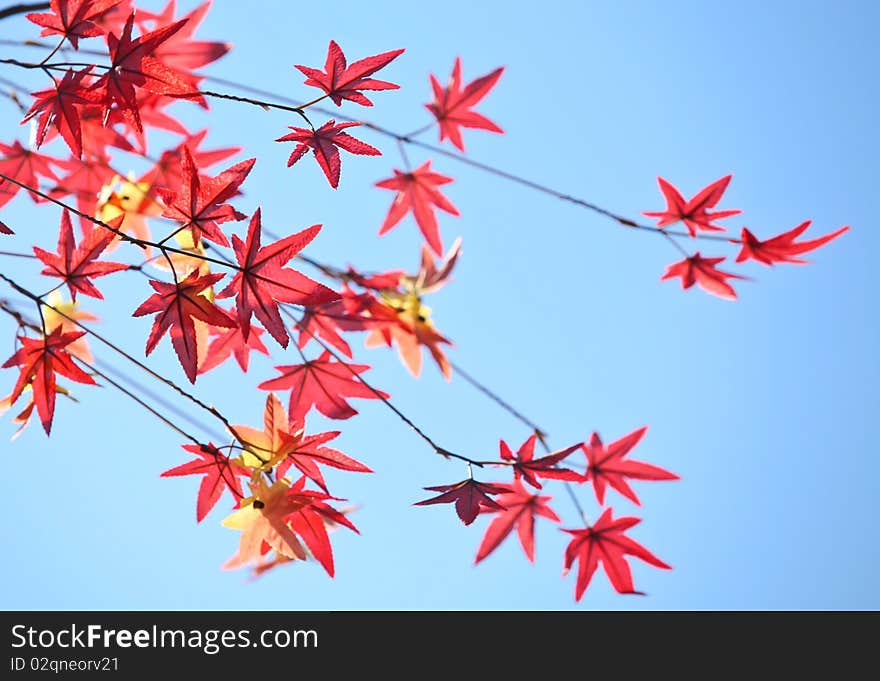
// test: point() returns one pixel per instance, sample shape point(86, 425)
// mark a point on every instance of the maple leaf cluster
point(101, 110)
point(279, 516)
point(698, 217)
point(514, 506)
point(221, 285)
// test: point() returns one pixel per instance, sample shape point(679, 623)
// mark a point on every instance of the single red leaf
point(78, 265)
point(606, 465)
point(417, 192)
point(262, 280)
point(323, 383)
point(694, 213)
point(220, 474)
point(39, 360)
point(60, 106)
point(469, 497)
point(520, 509)
point(452, 105)
point(72, 18)
point(306, 451)
point(324, 142)
point(199, 204)
point(782, 247)
point(699, 270)
point(528, 468)
point(178, 305)
point(606, 542)
point(342, 81)
point(133, 66)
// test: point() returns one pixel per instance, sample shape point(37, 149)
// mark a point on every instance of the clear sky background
point(766, 407)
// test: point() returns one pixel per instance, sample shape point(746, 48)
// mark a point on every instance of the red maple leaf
point(25, 166)
point(520, 509)
point(694, 213)
point(528, 468)
point(417, 192)
point(199, 205)
point(78, 265)
point(178, 305)
point(179, 51)
point(307, 451)
point(469, 497)
point(699, 270)
point(262, 280)
point(607, 542)
point(40, 359)
point(323, 383)
point(783, 247)
point(341, 81)
point(220, 474)
point(133, 66)
point(227, 343)
point(324, 142)
point(72, 18)
point(59, 107)
point(309, 517)
point(452, 104)
point(606, 465)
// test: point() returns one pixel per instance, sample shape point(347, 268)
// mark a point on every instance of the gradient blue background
point(766, 407)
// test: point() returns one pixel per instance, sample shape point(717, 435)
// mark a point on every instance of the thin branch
point(22, 8)
point(158, 399)
point(403, 417)
point(125, 391)
point(23, 323)
point(540, 433)
point(492, 395)
point(144, 244)
point(171, 384)
point(288, 104)
point(484, 167)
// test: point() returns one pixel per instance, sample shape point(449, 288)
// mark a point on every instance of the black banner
point(131, 644)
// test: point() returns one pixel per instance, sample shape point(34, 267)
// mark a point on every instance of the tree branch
point(22, 8)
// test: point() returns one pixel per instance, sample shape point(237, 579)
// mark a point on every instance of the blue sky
point(763, 406)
